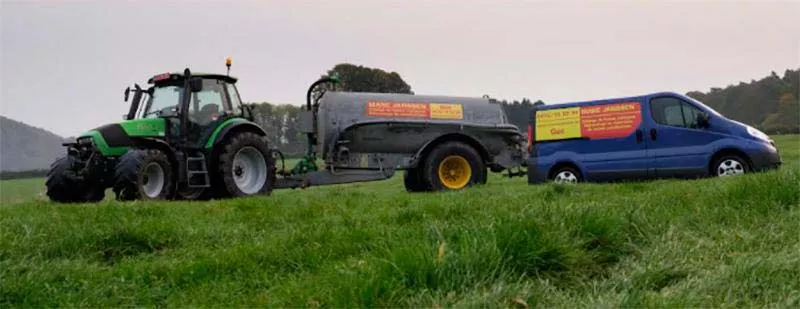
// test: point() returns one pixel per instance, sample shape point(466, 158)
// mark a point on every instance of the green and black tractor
point(185, 136)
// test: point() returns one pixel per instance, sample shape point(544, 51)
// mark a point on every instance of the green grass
point(701, 243)
point(21, 190)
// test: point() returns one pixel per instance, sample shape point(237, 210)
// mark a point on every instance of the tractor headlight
point(85, 141)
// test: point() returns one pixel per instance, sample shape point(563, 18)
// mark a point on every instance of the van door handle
point(653, 134)
point(639, 136)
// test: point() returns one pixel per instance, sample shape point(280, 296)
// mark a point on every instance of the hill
point(722, 242)
point(25, 148)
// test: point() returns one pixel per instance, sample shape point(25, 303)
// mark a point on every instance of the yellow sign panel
point(558, 124)
point(446, 111)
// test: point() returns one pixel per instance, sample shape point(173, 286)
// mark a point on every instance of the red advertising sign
point(612, 120)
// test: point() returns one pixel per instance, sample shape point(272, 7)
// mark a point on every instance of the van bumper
point(767, 159)
point(535, 176)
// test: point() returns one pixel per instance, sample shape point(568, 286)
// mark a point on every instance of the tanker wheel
point(453, 166)
point(245, 165)
point(413, 180)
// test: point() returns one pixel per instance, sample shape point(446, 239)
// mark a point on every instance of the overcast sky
point(65, 63)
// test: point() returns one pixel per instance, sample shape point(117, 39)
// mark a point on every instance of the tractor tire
point(144, 174)
point(245, 165)
point(453, 166)
point(413, 180)
point(63, 189)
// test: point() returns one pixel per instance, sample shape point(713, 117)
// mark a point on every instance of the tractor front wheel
point(63, 189)
point(245, 165)
point(145, 174)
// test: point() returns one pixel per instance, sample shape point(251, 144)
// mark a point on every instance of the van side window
point(667, 111)
point(674, 112)
point(690, 115)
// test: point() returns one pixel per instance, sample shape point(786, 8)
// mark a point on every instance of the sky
point(65, 64)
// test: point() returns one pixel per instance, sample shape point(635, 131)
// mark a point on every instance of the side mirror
point(703, 121)
point(127, 93)
point(196, 84)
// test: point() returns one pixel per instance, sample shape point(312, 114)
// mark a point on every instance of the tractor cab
point(192, 104)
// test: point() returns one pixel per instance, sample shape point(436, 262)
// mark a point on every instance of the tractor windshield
point(163, 100)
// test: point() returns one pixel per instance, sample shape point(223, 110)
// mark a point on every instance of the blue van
point(658, 135)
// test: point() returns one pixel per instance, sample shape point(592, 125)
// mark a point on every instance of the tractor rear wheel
point(453, 166)
point(145, 174)
point(63, 189)
point(245, 165)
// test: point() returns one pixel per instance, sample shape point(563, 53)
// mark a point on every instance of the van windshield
point(706, 107)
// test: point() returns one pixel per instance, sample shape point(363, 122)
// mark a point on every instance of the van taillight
point(530, 137)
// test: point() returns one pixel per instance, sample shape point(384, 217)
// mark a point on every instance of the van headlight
point(757, 134)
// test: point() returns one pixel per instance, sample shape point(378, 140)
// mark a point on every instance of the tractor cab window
point(209, 104)
point(234, 95)
point(163, 100)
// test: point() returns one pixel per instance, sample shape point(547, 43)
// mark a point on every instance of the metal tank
point(386, 130)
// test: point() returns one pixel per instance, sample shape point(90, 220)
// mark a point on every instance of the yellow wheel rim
point(454, 172)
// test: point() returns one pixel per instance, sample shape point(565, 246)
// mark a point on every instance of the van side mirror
point(196, 84)
point(703, 121)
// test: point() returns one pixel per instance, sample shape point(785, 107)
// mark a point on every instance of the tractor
point(185, 136)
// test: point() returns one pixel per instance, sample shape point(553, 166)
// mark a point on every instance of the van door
point(617, 147)
point(678, 147)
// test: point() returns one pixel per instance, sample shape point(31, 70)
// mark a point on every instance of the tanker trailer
point(441, 142)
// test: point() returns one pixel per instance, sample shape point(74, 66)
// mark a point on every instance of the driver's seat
point(207, 114)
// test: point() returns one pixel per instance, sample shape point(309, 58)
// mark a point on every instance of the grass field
point(702, 243)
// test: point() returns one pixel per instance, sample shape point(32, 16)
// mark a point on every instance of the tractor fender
point(230, 127)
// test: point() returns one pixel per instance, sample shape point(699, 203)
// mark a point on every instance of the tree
point(787, 119)
point(364, 79)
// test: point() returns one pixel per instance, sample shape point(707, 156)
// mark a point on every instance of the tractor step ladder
point(195, 166)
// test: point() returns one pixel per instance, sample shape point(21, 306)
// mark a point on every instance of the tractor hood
point(114, 139)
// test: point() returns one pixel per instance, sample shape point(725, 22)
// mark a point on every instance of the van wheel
point(566, 174)
point(453, 166)
point(730, 165)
